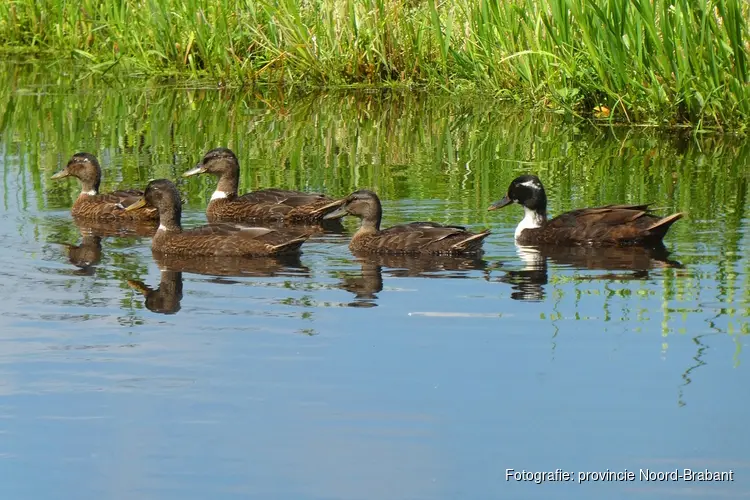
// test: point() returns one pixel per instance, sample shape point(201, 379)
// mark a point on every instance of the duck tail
point(471, 244)
point(659, 229)
point(290, 246)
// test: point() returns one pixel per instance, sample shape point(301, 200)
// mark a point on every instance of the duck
point(217, 239)
point(91, 204)
point(272, 205)
point(414, 238)
point(609, 225)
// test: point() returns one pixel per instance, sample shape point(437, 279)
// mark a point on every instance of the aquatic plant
point(660, 61)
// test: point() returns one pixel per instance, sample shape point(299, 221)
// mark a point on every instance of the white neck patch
point(162, 227)
point(89, 193)
point(531, 220)
point(219, 195)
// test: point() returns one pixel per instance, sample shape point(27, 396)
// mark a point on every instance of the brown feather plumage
point(91, 204)
point(227, 239)
point(218, 239)
point(269, 205)
point(413, 238)
point(607, 226)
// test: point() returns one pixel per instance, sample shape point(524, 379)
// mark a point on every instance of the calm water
point(328, 377)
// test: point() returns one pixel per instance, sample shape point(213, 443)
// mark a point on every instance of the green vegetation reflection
point(408, 147)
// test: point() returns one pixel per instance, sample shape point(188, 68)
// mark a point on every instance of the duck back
point(228, 240)
point(610, 225)
point(419, 238)
point(272, 205)
point(109, 206)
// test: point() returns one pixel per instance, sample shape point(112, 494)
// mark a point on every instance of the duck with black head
point(272, 205)
point(426, 238)
point(218, 239)
point(91, 204)
point(609, 225)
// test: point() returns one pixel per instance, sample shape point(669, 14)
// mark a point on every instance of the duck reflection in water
point(364, 285)
point(369, 281)
point(281, 265)
point(86, 255)
point(118, 228)
point(166, 298)
point(627, 263)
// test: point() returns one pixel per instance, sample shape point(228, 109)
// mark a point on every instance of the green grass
point(660, 61)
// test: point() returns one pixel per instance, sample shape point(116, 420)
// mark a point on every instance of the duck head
point(218, 161)
point(162, 194)
point(363, 204)
point(527, 191)
point(222, 163)
point(85, 167)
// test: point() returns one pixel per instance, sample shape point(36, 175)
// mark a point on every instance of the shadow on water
point(632, 263)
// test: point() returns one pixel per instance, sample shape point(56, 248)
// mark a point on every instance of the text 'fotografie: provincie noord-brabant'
point(580, 477)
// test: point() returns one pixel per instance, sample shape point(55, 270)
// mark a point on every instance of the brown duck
point(413, 238)
point(273, 205)
point(610, 225)
point(108, 206)
point(213, 239)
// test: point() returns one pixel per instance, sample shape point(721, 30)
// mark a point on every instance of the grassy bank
point(658, 61)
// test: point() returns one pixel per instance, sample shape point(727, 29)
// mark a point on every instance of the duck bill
point(500, 204)
point(199, 169)
point(336, 214)
point(139, 286)
point(138, 204)
point(61, 174)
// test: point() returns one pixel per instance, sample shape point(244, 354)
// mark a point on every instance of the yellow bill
point(138, 204)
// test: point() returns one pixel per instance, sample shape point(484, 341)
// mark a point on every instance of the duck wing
point(283, 197)
point(606, 215)
point(231, 239)
point(427, 237)
point(419, 226)
point(278, 204)
point(606, 224)
point(109, 206)
point(244, 231)
point(121, 198)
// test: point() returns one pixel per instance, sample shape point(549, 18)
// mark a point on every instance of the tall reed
point(659, 61)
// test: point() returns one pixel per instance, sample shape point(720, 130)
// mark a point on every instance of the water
point(331, 377)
